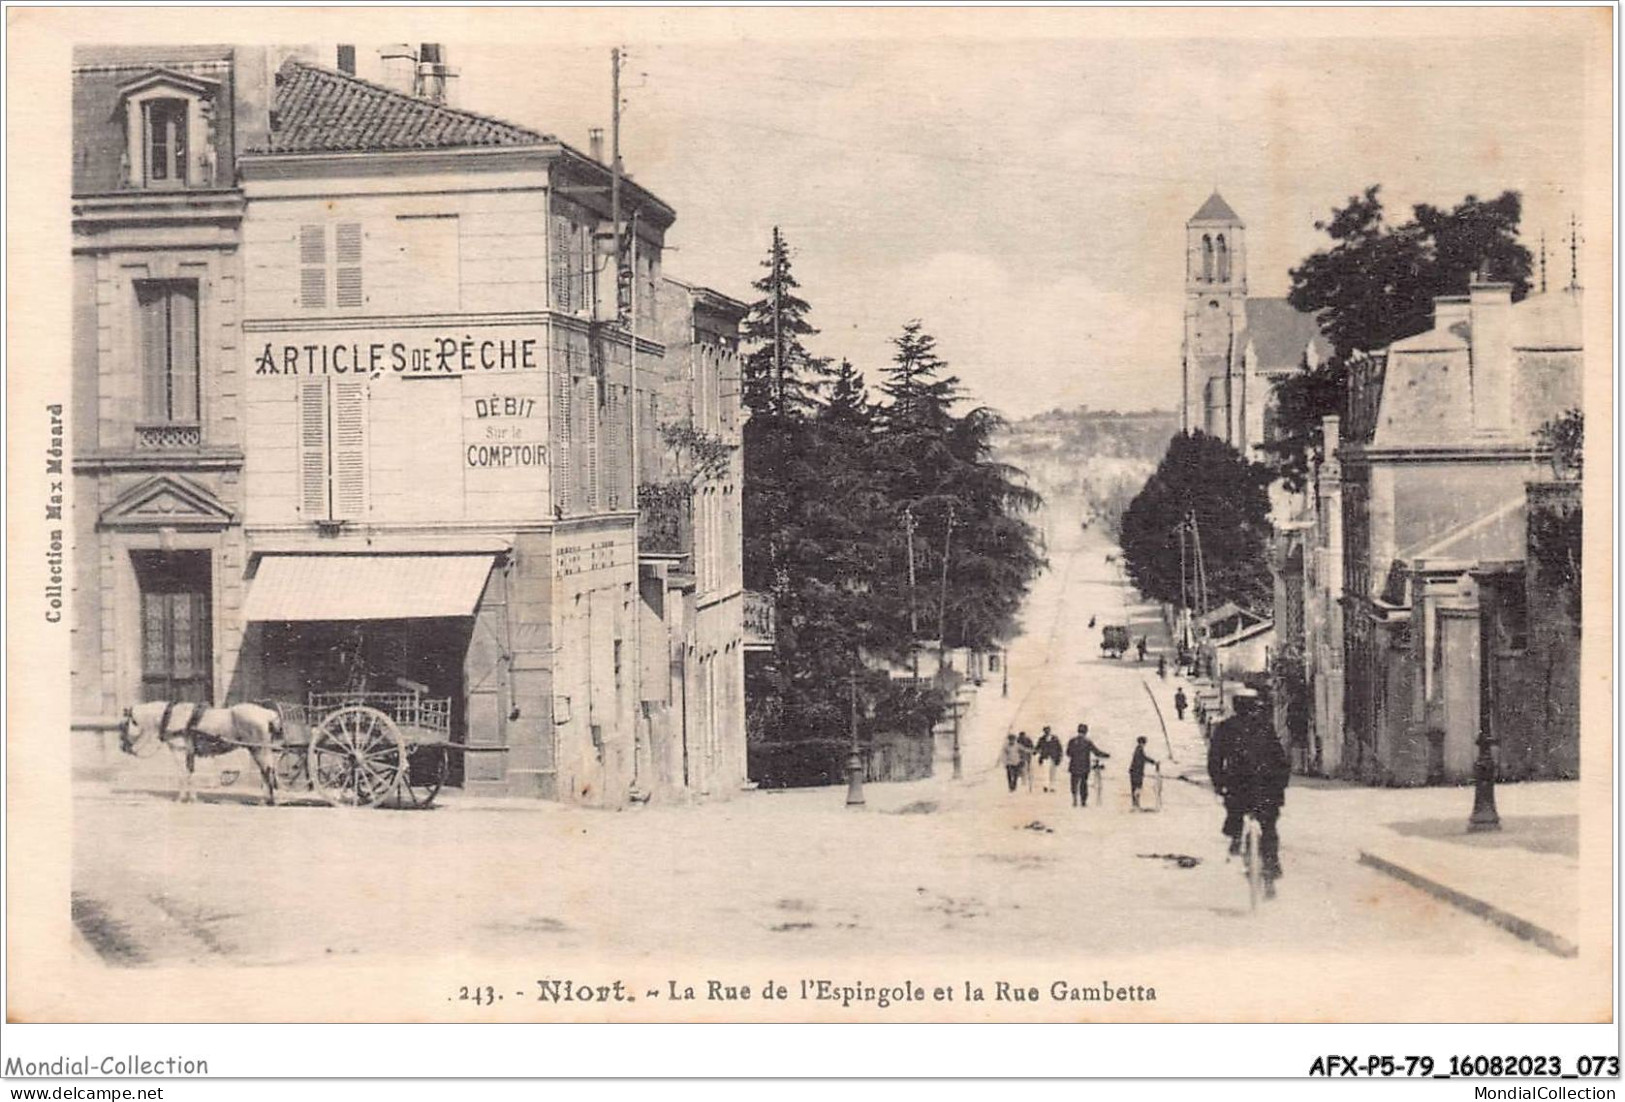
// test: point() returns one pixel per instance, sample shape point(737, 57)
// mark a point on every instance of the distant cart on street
point(1114, 641)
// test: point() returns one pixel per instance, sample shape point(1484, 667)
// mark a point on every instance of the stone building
point(1435, 459)
point(1237, 347)
point(1308, 568)
point(157, 541)
point(361, 402)
point(691, 545)
point(1529, 620)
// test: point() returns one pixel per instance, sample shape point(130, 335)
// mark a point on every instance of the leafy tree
point(1201, 478)
point(968, 509)
point(1564, 437)
point(1375, 284)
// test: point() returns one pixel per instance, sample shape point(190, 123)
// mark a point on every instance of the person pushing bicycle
point(1249, 769)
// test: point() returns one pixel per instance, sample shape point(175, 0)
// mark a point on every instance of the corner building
point(156, 537)
point(440, 394)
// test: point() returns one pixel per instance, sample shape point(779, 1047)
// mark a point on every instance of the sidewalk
point(1523, 878)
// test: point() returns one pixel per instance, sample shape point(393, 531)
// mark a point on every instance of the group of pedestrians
point(1022, 758)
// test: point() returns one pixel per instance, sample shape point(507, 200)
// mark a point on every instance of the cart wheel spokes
point(357, 757)
point(292, 770)
point(426, 769)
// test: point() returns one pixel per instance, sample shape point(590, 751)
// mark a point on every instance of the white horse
point(193, 731)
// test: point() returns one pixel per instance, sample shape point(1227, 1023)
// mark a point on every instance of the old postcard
point(908, 515)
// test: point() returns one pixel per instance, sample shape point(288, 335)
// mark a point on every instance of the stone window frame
point(196, 97)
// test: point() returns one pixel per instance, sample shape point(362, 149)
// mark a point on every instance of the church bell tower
point(1215, 316)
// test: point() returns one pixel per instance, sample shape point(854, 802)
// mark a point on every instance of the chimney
point(595, 143)
point(346, 60)
point(1490, 309)
point(1450, 310)
point(400, 67)
point(433, 74)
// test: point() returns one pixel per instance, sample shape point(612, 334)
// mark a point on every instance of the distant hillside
point(1088, 463)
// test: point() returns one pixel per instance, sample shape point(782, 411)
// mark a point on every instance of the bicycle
point(1097, 774)
point(1252, 861)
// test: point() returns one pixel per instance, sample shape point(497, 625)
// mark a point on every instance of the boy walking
point(1136, 770)
point(1012, 756)
point(1049, 752)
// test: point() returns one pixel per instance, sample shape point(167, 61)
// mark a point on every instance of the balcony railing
point(168, 436)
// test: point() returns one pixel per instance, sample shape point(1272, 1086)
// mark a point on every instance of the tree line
point(877, 522)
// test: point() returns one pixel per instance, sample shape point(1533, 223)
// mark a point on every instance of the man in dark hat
point(1249, 769)
point(1080, 755)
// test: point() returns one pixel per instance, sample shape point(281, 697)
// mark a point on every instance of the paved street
point(950, 871)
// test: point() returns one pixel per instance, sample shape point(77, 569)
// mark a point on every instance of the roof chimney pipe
point(595, 143)
point(346, 60)
point(433, 74)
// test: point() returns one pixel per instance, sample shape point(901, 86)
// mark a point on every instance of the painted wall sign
point(442, 354)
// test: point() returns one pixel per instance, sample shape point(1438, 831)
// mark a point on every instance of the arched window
point(1207, 259)
point(1224, 260)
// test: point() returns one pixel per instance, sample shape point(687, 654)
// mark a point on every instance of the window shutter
point(183, 352)
point(561, 434)
point(313, 267)
point(349, 449)
point(613, 445)
point(593, 412)
point(347, 255)
point(313, 448)
point(559, 266)
point(152, 306)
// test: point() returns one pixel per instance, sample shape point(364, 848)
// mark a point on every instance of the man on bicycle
point(1250, 770)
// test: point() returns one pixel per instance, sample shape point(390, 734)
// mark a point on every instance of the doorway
point(177, 625)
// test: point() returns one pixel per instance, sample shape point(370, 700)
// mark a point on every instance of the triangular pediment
point(168, 79)
point(167, 501)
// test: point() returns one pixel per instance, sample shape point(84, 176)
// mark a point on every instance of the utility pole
point(626, 313)
point(942, 638)
point(615, 167)
point(913, 618)
point(1543, 262)
point(854, 763)
point(1574, 253)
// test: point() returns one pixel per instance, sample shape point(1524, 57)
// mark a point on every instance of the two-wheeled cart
point(367, 749)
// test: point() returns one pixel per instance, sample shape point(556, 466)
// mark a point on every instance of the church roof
point(1216, 210)
point(322, 110)
point(1279, 334)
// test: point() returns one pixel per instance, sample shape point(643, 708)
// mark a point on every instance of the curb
point(1517, 927)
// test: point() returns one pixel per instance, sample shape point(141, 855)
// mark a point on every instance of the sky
point(1026, 198)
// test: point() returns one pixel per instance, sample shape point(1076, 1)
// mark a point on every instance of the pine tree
point(781, 378)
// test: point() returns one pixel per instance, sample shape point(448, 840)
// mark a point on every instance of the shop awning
point(366, 587)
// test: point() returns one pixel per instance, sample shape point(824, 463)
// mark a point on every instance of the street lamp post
point(1484, 817)
point(1004, 667)
point(854, 761)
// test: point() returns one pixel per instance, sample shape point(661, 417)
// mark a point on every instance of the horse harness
point(200, 742)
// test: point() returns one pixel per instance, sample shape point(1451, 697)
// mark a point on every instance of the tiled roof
point(320, 110)
point(1279, 333)
point(1215, 210)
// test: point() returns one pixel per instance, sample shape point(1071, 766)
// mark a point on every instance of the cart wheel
point(292, 769)
point(426, 769)
point(357, 757)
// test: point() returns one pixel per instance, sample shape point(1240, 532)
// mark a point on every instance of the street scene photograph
point(923, 523)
